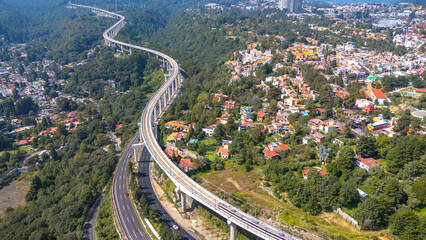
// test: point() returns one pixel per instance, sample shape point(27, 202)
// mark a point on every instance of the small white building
point(367, 163)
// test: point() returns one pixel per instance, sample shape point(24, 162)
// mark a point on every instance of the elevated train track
point(156, 106)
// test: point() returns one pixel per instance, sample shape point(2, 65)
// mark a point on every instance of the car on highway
point(175, 227)
point(126, 194)
point(130, 155)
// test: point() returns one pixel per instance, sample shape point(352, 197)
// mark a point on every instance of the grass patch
point(209, 142)
point(289, 218)
point(27, 148)
point(211, 155)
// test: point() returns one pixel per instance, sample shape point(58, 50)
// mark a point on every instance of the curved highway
point(128, 220)
point(152, 112)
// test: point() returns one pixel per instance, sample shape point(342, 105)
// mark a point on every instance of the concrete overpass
point(153, 111)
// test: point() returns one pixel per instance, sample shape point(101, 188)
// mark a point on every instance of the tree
point(272, 108)
point(217, 164)
point(238, 159)
point(36, 184)
point(230, 125)
point(348, 194)
point(53, 153)
point(419, 188)
point(219, 133)
point(333, 169)
point(365, 146)
point(202, 149)
point(403, 124)
point(368, 214)
point(346, 160)
point(405, 225)
point(395, 159)
point(392, 193)
point(274, 93)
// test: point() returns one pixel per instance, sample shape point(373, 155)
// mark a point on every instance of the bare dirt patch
point(13, 195)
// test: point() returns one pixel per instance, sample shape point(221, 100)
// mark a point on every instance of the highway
point(91, 220)
point(130, 225)
point(153, 201)
point(149, 119)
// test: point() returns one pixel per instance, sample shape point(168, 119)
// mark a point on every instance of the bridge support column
point(183, 201)
point(233, 230)
point(136, 146)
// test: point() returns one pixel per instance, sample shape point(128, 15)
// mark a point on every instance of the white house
point(367, 163)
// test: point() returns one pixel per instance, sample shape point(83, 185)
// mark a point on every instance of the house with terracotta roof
point(228, 105)
point(16, 122)
point(220, 97)
point(186, 164)
point(271, 154)
point(318, 137)
point(306, 172)
point(176, 126)
point(171, 153)
point(22, 142)
point(223, 152)
point(50, 130)
point(261, 116)
point(367, 163)
point(276, 147)
point(377, 94)
point(246, 124)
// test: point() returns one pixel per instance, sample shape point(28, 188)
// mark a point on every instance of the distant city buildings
point(290, 5)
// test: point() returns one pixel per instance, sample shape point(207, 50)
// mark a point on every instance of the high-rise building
point(290, 5)
point(281, 5)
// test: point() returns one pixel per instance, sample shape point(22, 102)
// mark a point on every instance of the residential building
point(367, 163)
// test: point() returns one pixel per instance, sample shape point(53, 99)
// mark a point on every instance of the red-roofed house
point(49, 131)
point(170, 153)
point(306, 172)
point(22, 142)
point(223, 152)
point(186, 164)
point(379, 95)
point(284, 147)
point(261, 116)
point(271, 155)
point(367, 163)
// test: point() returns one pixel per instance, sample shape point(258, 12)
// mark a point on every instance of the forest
point(62, 191)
